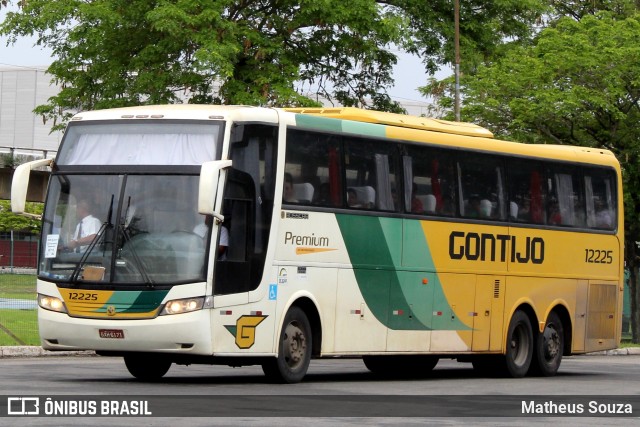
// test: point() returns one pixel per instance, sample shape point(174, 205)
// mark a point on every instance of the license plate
point(111, 333)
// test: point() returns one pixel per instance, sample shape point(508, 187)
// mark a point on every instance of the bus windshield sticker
point(51, 248)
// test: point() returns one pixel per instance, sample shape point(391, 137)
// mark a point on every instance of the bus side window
point(371, 169)
point(566, 206)
point(313, 163)
point(481, 187)
point(600, 199)
point(527, 198)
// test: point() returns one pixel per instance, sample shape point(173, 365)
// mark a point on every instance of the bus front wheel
point(147, 367)
point(294, 349)
point(519, 353)
point(549, 347)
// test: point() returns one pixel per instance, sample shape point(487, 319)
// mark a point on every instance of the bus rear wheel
point(294, 349)
point(148, 367)
point(519, 353)
point(549, 347)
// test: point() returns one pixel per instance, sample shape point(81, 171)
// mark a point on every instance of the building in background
point(26, 136)
point(23, 133)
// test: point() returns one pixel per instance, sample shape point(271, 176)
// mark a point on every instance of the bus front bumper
point(188, 333)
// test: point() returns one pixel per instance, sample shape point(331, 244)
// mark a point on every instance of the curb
point(628, 351)
point(35, 351)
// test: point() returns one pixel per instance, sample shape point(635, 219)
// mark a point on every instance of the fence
point(18, 314)
point(18, 250)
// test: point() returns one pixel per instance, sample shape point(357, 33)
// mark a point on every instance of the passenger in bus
point(603, 215)
point(287, 192)
point(223, 243)
point(202, 230)
point(86, 230)
point(352, 199)
point(486, 208)
point(524, 210)
point(416, 204)
point(394, 197)
point(553, 213)
point(474, 207)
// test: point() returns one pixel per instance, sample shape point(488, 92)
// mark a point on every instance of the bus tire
point(147, 367)
point(549, 346)
point(294, 349)
point(519, 352)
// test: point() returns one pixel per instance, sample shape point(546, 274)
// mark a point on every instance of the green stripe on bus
point(318, 123)
point(134, 301)
point(335, 125)
point(395, 294)
point(364, 129)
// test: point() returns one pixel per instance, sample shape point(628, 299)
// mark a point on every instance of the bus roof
point(175, 111)
point(399, 120)
point(457, 134)
point(398, 126)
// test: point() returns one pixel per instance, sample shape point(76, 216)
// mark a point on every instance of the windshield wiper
point(125, 221)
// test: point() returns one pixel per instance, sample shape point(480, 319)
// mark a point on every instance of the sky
point(408, 73)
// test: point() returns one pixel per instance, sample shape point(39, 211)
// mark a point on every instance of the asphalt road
point(334, 392)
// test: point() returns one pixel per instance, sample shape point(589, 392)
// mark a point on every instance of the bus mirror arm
point(20, 185)
point(208, 187)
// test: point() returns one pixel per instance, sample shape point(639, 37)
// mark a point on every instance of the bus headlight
point(186, 305)
point(51, 303)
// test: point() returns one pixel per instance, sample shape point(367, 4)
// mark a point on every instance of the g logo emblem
point(111, 310)
point(245, 330)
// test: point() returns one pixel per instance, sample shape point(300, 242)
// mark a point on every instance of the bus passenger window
point(481, 187)
point(526, 194)
point(313, 169)
point(600, 198)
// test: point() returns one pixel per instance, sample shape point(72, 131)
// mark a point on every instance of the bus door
point(362, 312)
point(488, 313)
point(233, 271)
point(410, 311)
point(453, 312)
point(580, 321)
point(602, 323)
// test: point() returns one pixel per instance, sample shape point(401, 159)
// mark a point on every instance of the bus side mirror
point(209, 184)
point(20, 185)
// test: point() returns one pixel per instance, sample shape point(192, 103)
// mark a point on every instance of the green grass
point(19, 327)
point(627, 343)
point(18, 286)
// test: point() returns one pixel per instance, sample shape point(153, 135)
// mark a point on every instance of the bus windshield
point(140, 143)
point(123, 229)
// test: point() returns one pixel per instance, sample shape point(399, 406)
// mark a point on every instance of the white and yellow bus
point(243, 235)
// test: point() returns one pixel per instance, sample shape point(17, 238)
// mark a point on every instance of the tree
point(12, 222)
point(114, 53)
point(576, 84)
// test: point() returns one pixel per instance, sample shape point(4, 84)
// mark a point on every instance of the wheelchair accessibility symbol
point(273, 292)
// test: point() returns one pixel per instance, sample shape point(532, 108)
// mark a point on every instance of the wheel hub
point(552, 343)
point(295, 345)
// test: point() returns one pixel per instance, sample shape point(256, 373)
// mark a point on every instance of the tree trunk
point(631, 250)
point(634, 295)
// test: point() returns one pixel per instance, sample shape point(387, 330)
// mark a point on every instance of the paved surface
point(35, 351)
